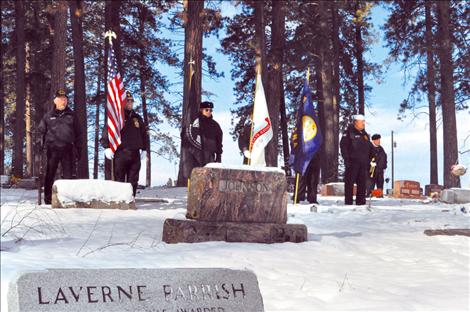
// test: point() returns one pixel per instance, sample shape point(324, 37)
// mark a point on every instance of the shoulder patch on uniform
point(136, 122)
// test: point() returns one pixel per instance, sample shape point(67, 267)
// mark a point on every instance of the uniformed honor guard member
point(133, 146)
point(203, 137)
point(378, 165)
point(244, 141)
point(60, 133)
point(356, 150)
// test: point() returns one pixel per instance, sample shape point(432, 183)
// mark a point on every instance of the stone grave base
point(96, 204)
point(89, 193)
point(189, 231)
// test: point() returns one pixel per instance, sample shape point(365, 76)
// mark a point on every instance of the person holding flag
point(126, 134)
point(306, 142)
point(262, 131)
point(133, 137)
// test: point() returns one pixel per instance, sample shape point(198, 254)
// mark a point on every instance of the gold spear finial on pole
point(110, 35)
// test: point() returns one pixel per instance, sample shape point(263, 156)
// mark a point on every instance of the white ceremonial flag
point(262, 130)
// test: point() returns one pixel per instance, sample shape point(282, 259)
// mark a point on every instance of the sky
point(411, 155)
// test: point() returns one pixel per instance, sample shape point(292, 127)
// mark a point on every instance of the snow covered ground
point(355, 259)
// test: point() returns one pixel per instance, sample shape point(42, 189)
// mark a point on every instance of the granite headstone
point(151, 290)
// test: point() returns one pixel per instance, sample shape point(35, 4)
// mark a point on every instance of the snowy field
point(355, 258)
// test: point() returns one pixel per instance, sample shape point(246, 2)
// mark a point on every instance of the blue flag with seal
point(307, 137)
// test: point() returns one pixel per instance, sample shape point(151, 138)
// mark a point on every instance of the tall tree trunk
point(359, 50)
point(192, 53)
point(20, 89)
point(76, 10)
point(143, 82)
point(112, 22)
point(2, 102)
point(58, 58)
point(431, 93)
point(98, 99)
point(447, 95)
point(326, 72)
point(27, 115)
point(38, 79)
point(336, 87)
point(276, 81)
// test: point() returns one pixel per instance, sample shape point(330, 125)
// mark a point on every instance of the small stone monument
point(235, 204)
point(456, 196)
point(407, 189)
point(429, 189)
point(156, 290)
point(89, 193)
point(335, 189)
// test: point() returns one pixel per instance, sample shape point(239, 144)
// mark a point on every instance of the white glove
point(373, 164)
point(247, 154)
point(143, 154)
point(108, 153)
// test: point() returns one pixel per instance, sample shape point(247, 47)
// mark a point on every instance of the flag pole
point(296, 187)
point(297, 176)
point(110, 35)
point(258, 70)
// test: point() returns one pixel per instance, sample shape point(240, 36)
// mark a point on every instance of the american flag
point(116, 96)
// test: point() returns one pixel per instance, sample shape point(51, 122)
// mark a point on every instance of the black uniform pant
point(55, 156)
point(377, 180)
point(127, 167)
point(356, 172)
point(308, 183)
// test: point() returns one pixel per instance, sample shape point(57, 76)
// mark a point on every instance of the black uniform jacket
point(60, 129)
point(133, 134)
point(380, 157)
point(204, 134)
point(244, 138)
point(356, 146)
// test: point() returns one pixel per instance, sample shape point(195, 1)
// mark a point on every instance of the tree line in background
point(51, 44)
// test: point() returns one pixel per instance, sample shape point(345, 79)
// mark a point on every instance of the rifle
point(39, 160)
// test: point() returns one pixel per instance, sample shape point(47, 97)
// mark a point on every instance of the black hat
point(61, 92)
point(376, 136)
point(207, 104)
point(129, 95)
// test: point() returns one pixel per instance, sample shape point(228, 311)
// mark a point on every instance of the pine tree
point(192, 58)
point(447, 95)
point(2, 102)
point(59, 54)
point(76, 11)
point(20, 89)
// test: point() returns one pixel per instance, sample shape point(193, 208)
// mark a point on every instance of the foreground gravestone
point(235, 204)
point(155, 290)
point(407, 189)
point(92, 194)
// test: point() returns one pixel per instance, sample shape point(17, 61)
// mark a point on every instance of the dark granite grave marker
point(237, 196)
point(238, 204)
